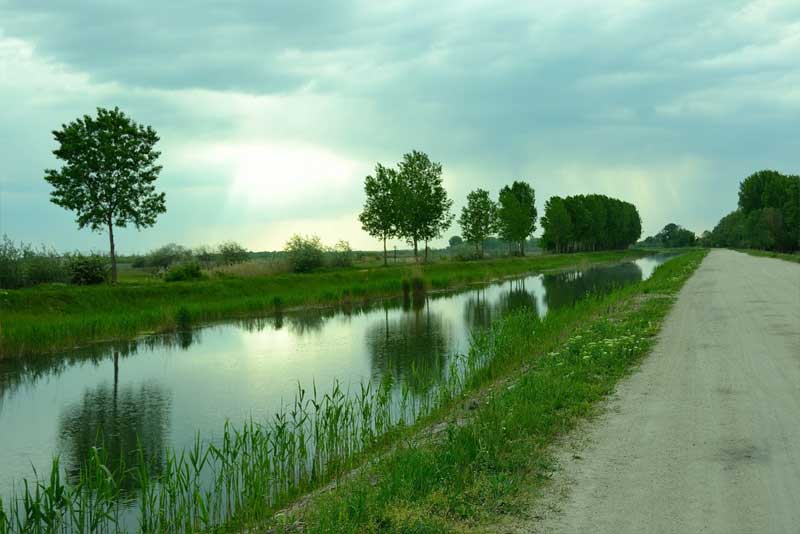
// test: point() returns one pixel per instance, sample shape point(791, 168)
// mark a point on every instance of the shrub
point(232, 252)
point(87, 270)
point(204, 255)
point(305, 253)
point(183, 272)
point(163, 257)
point(22, 265)
point(341, 255)
point(43, 267)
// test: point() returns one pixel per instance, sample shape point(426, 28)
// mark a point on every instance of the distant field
point(52, 317)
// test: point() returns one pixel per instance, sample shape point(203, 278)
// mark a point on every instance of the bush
point(184, 272)
point(341, 255)
point(22, 266)
point(163, 257)
point(305, 253)
point(232, 252)
point(87, 270)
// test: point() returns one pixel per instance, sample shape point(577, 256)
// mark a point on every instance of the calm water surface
point(165, 389)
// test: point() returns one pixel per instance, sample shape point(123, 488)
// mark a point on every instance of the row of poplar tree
point(409, 202)
point(589, 222)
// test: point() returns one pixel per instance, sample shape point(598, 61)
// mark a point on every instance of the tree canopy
point(109, 173)
point(381, 214)
point(589, 222)
point(516, 213)
point(425, 206)
point(768, 215)
point(478, 218)
point(671, 236)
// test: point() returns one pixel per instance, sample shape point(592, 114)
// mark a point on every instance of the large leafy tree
point(423, 203)
point(557, 225)
point(109, 173)
point(478, 218)
point(674, 235)
point(770, 201)
point(517, 213)
point(380, 216)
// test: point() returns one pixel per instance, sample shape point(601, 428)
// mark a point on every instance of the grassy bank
point(420, 475)
point(770, 254)
point(472, 474)
point(53, 317)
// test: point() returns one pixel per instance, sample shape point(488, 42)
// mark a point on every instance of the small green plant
point(305, 253)
point(87, 270)
point(184, 272)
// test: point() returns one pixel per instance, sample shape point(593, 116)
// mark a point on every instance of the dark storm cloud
point(666, 104)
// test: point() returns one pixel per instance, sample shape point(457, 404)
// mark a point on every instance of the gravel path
point(705, 437)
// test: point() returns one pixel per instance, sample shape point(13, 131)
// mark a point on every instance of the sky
point(272, 113)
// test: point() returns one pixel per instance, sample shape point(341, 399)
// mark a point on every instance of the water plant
point(245, 474)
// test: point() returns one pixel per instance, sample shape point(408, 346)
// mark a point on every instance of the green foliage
point(167, 255)
point(671, 236)
point(231, 253)
point(455, 241)
point(251, 471)
point(478, 218)
point(108, 174)
point(768, 216)
point(22, 265)
point(381, 214)
point(341, 255)
point(305, 253)
point(87, 270)
point(422, 200)
point(183, 272)
point(516, 213)
point(589, 222)
point(53, 318)
point(552, 371)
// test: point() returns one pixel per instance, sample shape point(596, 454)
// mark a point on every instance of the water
point(165, 389)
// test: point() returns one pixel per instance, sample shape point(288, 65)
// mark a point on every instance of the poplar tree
point(478, 219)
point(424, 205)
point(380, 216)
point(517, 213)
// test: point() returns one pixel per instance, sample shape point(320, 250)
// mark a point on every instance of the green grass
point(476, 473)
point(793, 257)
point(54, 317)
point(466, 476)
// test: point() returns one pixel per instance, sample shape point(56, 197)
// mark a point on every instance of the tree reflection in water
point(565, 289)
point(411, 348)
point(123, 419)
point(480, 310)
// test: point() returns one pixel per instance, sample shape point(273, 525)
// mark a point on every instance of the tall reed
point(249, 471)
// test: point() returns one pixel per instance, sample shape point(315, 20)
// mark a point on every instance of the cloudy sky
point(271, 113)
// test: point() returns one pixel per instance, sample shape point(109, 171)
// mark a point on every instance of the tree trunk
point(522, 248)
point(416, 254)
point(426, 251)
point(113, 253)
point(385, 259)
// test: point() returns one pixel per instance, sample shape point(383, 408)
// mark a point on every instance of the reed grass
point(242, 477)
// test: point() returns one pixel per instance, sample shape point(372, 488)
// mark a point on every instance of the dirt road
point(705, 437)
